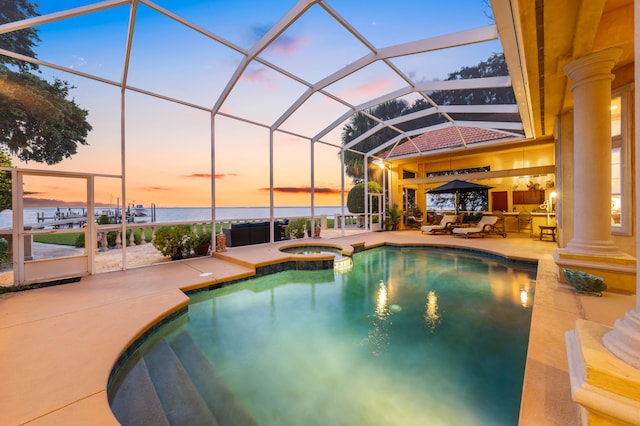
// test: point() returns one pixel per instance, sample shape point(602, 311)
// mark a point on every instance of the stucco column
point(591, 76)
point(624, 340)
point(604, 362)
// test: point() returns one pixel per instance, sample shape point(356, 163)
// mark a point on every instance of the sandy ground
point(110, 260)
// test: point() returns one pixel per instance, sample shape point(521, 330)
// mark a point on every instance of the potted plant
point(204, 242)
point(394, 215)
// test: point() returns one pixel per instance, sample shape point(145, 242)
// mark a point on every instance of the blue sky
point(168, 145)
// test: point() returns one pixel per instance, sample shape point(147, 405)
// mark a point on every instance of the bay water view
point(180, 214)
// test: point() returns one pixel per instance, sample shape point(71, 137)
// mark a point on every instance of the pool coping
point(59, 344)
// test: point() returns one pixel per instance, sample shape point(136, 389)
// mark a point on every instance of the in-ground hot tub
point(340, 261)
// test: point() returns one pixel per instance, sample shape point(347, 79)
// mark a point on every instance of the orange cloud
point(370, 88)
point(208, 175)
point(48, 202)
point(303, 190)
point(156, 188)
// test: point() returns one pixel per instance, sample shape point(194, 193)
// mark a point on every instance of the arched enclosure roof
point(360, 62)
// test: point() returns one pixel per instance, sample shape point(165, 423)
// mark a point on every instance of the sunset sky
point(168, 145)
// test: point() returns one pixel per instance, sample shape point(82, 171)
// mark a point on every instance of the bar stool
point(524, 221)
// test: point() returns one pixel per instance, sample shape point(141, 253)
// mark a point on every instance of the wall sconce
point(551, 197)
point(550, 207)
point(380, 163)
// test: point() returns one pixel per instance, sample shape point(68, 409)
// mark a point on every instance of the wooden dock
point(59, 223)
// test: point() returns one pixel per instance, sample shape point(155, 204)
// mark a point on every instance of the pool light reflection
point(431, 317)
point(381, 305)
point(524, 297)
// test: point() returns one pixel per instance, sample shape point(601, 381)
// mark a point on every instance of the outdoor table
point(548, 230)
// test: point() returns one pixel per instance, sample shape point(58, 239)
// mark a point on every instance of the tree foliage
point(359, 124)
point(495, 66)
point(355, 198)
point(21, 41)
point(37, 121)
point(5, 183)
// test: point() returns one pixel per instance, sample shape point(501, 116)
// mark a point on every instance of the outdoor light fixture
point(550, 206)
point(379, 162)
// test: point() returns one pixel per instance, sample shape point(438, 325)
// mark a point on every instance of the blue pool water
point(406, 337)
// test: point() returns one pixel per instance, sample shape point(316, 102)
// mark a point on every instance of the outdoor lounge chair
point(483, 227)
point(414, 221)
point(444, 226)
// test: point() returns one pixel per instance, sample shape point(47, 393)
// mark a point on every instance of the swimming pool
point(407, 336)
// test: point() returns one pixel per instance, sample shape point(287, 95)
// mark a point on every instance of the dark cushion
point(242, 234)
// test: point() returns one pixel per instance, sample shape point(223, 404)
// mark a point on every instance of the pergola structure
point(499, 123)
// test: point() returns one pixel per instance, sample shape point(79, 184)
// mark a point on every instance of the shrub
point(80, 241)
point(296, 227)
point(4, 251)
point(111, 239)
point(355, 199)
point(177, 242)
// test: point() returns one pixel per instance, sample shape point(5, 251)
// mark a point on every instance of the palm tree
point(361, 123)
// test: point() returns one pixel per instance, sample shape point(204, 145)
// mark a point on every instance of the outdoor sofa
point(242, 234)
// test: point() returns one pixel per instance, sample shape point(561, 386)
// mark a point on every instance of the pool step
point(134, 400)
point(182, 403)
point(218, 397)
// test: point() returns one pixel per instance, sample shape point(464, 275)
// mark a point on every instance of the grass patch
point(62, 239)
point(69, 239)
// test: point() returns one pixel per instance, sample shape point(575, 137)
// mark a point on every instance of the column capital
point(594, 66)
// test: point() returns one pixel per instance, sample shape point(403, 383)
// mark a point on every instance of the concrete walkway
point(59, 344)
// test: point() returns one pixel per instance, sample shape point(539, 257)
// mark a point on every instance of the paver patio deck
point(59, 344)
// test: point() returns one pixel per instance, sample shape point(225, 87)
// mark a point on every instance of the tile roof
point(448, 137)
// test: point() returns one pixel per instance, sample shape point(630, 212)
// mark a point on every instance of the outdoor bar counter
point(537, 219)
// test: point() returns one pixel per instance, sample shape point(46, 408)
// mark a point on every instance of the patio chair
point(414, 221)
point(434, 219)
point(443, 227)
point(481, 229)
point(498, 228)
point(524, 221)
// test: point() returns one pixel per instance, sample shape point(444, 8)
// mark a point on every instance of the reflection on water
point(431, 317)
point(524, 297)
point(381, 306)
point(378, 336)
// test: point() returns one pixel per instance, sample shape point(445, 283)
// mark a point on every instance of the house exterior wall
point(556, 153)
point(509, 172)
